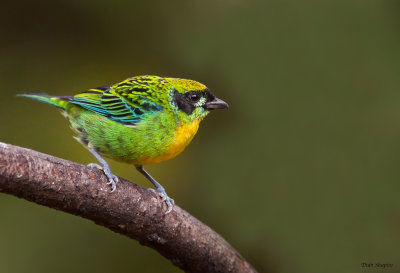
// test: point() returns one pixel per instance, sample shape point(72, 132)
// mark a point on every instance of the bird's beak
point(216, 104)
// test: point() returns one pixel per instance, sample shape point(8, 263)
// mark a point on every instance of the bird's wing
point(121, 104)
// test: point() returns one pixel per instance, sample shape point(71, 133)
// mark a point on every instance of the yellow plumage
point(182, 137)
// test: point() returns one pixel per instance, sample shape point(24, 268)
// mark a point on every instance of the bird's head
point(192, 99)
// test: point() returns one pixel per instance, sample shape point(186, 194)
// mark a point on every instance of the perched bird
point(141, 120)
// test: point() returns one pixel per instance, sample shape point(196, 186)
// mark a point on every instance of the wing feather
point(116, 104)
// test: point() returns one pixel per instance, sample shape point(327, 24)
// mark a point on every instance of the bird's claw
point(95, 165)
point(112, 179)
point(165, 198)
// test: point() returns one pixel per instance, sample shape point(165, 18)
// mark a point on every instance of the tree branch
point(131, 210)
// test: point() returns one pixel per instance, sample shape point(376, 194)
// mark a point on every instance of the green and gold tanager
point(141, 120)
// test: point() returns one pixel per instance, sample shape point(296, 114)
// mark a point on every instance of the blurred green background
point(301, 174)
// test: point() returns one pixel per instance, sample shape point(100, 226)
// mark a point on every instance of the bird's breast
point(184, 133)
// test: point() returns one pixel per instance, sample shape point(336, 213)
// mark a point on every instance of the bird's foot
point(95, 165)
point(164, 197)
point(112, 179)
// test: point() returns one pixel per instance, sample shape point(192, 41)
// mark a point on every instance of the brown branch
point(131, 210)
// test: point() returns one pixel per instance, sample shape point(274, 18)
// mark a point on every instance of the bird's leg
point(112, 179)
point(159, 189)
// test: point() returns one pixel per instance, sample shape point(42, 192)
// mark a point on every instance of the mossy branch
point(131, 210)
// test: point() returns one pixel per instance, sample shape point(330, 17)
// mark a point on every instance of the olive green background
point(301, 174)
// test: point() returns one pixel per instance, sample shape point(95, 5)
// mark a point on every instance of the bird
point(141, 120)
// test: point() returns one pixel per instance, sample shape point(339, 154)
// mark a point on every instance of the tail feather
point(60, 102)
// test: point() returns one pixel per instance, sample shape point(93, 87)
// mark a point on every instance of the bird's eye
point(194, 97)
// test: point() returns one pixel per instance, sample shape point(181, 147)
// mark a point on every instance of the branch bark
point(131, 210)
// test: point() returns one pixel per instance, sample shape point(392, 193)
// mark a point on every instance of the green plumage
point(142, 120)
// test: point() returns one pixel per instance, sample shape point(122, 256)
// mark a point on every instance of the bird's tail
point(60, 102)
